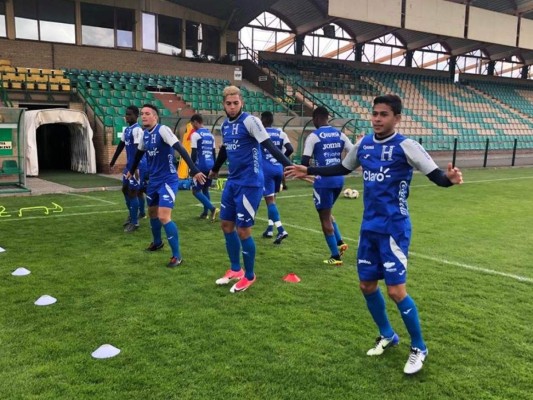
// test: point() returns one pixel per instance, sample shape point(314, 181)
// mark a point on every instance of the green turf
point(182, 337)
point(78, 180)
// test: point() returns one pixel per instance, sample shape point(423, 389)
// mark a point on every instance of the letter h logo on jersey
point(386, 153)
point(235, 129)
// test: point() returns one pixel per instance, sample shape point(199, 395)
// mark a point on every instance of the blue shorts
point(162, 194)
point(240, 203)
point(272, 182)
point(132, 183)
point(383, 256)
point(325, 197)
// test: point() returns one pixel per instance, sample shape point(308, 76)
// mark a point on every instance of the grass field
point(183, 337)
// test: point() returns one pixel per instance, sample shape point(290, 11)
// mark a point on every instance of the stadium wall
point(26, 53)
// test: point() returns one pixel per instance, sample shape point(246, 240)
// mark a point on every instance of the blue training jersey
point(132, 136)
point(158, 144)
point(279, 138)
point(242, 138)
point(326, 145)
point(204, 142)
point(387, 172)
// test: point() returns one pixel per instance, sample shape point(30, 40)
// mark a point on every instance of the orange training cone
point(292, 277)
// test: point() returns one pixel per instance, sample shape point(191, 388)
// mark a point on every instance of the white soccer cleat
point(382, 344)
point(415, 362)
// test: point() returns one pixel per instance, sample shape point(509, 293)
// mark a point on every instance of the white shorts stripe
point(171, 193)
point(398, 252)
point(248, 206)
point(317, 196)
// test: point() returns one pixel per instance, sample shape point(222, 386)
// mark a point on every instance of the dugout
point(61, 138)
point(12, 144)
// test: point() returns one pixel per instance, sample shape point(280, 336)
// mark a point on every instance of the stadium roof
point(305, 16)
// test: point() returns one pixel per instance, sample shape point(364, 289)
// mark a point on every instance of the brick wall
point(25, 53)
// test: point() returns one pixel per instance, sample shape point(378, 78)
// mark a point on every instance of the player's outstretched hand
point(200, 177)
point(128, 175)
point(296, 171)
point(454, 174)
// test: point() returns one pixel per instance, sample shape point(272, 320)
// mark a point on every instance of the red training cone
point(292, 277)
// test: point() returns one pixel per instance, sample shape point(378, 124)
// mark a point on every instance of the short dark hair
point(197, 118)
point(268, 117)
point(134, 110)
point(393, 101)
point(321, 112)
point(152, 107)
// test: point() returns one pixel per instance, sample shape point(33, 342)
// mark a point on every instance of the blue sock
point(204, 200)
point(134, 210)
point(248, 255)
point(142, 203)
point(409, 315)
point(337, 232)
point(376, 305)
point(127, 200)
point(155, 224)
point(233, 247)
point(273, 212)
point(171, 229)
point(205, 191)
point(332, 244)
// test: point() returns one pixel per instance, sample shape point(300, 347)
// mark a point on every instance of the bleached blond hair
point(230, 91)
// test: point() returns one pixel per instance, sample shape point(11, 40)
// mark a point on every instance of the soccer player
point(133, 187)
point(203, 154)
point(242, 136)
point(326, 145)
point(159, 143)
point(273, 173)
point(388, 159)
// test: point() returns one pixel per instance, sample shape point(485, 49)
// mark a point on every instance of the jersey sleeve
point(167, 135)
point(309, 146)
point(194, 140)
point(347, 143)
point(417, 156)
point(351, 161)
point(285, 138)
point(256, 128)
point(137, 135)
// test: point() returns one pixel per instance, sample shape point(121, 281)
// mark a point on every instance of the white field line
point(91, 198)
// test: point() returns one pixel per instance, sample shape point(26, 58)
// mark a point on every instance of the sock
point(127, 201)
point(207, 195)
point(171, 229)
point(134, 210)
point(270, 226)
point(233, 247)
point(337, 232)
point(279, 227)
point(155, 224)
point(332, 244)
point(248, 255)
point(142, 203)
point(204, 200)
point(409, 314)
point(376, 305)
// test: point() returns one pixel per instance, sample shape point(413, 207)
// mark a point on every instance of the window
point(169, 30)
point(48, 20)
point(148, 31)
point(125, 25)
point(3, 32)
point(97, 25)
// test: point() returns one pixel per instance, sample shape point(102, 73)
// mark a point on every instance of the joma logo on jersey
point(386, 153)
point(376, 176)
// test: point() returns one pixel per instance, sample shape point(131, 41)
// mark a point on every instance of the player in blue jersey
point(159, 144)
point(133, 187)
point(243, 135)
point(326, 145)
point(387, 159)
point(203, 154)
point(273, 173)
